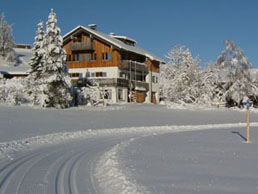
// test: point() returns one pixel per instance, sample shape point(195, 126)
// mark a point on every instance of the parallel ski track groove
point(3, 183)
point(72, 174)
point(33, 165)
point(60, 176)
point(58, 168)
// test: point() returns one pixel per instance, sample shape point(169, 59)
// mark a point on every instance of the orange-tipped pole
point(248, 127)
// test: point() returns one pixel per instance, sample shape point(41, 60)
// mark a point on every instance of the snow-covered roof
point(115, 42)
point(124, 38)
point(22, 66)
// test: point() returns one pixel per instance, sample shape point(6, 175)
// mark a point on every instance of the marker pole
point(248, 126)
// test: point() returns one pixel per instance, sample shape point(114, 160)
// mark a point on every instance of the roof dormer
point(124, 39)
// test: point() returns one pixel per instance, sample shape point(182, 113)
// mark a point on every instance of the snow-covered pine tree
point(7, 44)
point(56, 83)
point(238, 82)
point(180, 76)
point(35, 61)
point(35, 89)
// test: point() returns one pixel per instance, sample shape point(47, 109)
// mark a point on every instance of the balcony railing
point(133, 66)
point(82, 46)
point(137, 84)
point(118, 82)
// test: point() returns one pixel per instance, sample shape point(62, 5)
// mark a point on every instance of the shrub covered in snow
point(14, 91)
point(87, 95)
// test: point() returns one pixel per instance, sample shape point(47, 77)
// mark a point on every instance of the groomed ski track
point(66, 162)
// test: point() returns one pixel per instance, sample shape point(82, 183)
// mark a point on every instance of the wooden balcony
point(133, 66)
point(118, 82)
point(82, 46)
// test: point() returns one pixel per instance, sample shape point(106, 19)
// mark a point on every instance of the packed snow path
point(63, 168)
point(82, 162)
point(55, 151)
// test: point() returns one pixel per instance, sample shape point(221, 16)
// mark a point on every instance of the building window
point(101, 74)
point(98, 74)
point(120, 94)
point(74, 57)
point(79, 57)
point(92, 74)
point(94, 56)
point(74, 74)
point(106, 56)
point(68, 58)
point(79, 39)
point(123, 75)
point(87, 74)
point(91, 56)
point(123, 57)
point(154, 79)
point(88, 57)
point(109, 56)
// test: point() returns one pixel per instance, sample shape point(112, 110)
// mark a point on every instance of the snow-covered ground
point(21, 66)
point(136, 148)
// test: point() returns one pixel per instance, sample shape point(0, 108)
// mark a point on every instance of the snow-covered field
point(136, 148)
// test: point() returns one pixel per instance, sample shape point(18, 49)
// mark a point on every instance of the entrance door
point(140, 96)
point(153, 98)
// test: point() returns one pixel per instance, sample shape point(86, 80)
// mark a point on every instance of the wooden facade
point(100, 49)
point(87, 48)
point(153, 65)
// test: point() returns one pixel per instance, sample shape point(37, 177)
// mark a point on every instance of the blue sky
point(157, 25)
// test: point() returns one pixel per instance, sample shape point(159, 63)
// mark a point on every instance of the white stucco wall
point(112, 72)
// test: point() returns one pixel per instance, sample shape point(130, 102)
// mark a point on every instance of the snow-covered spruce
point(36, 90)
point(7, 44)
point(48, 83)
point(35, 61)
point(55, 81)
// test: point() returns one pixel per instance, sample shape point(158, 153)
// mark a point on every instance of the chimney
point(92, 26)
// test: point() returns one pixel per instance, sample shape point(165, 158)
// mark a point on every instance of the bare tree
point(238, 82)
point(7, 44)
point(180, 76)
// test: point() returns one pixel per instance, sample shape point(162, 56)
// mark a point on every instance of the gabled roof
point(113, 41)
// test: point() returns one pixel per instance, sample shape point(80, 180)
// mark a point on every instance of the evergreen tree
point(6, 42)
point(35, 61)
point(35, 88)
point(56, 83)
